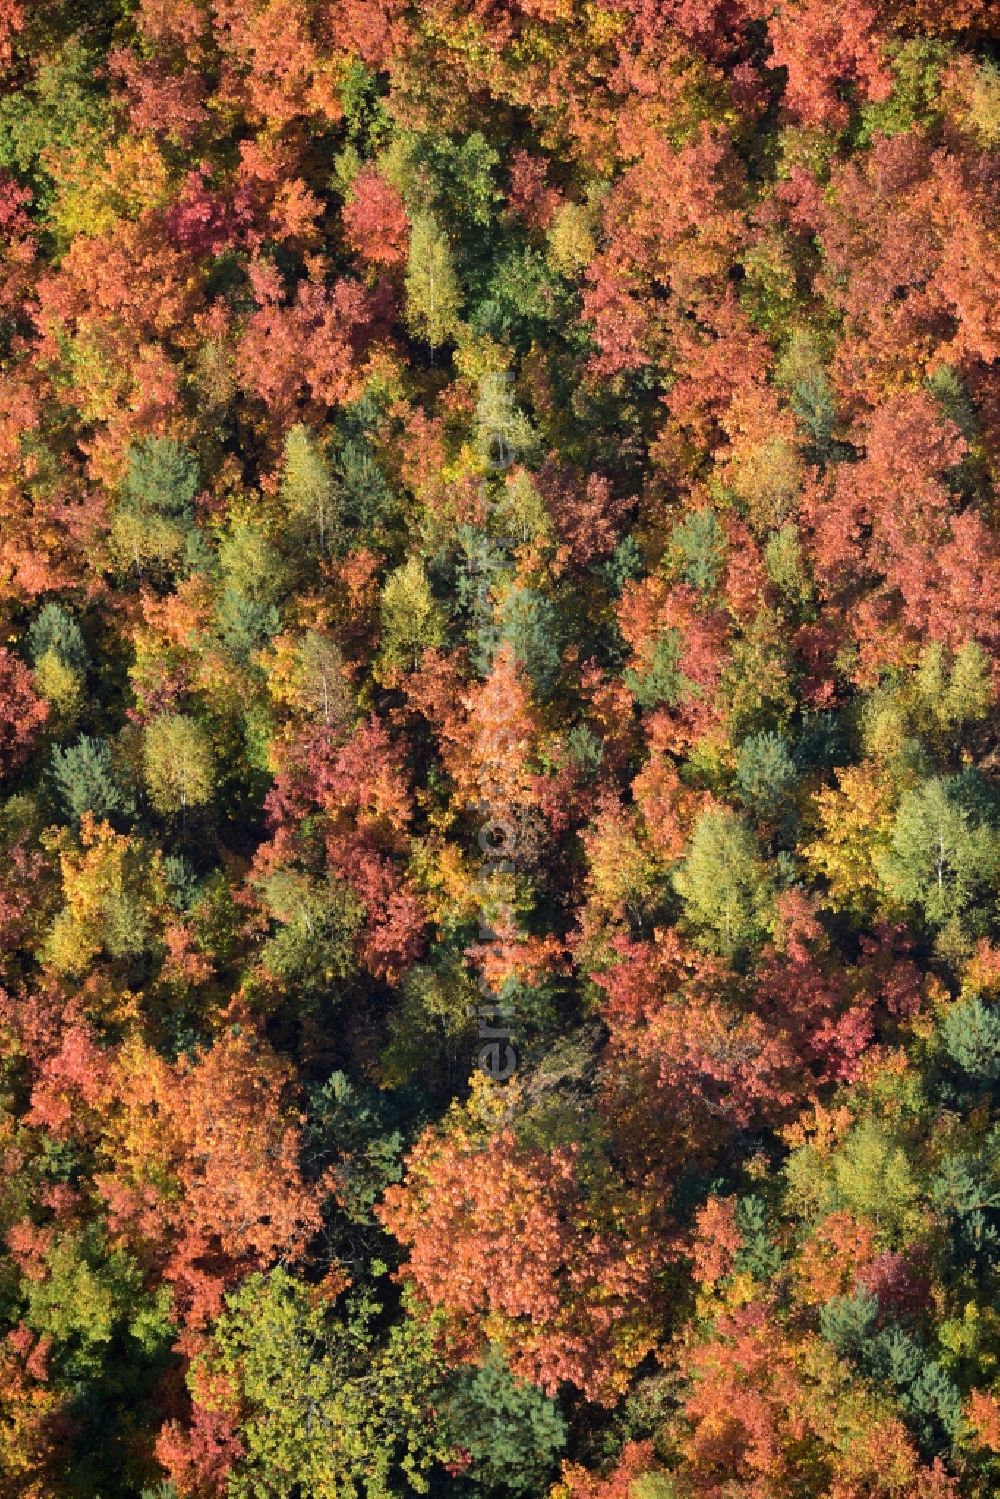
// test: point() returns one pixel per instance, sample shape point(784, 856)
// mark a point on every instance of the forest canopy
point(499, 812)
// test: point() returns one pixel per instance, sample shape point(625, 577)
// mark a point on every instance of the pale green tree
point(433, 293)
point(178, 763)
point(328, 1414)
point(944, 853)
point(951, 693)
point(724, 884)
point(321, 684)
point(412, 619)
point(309, 491)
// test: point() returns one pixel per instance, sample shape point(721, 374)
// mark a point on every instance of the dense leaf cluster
point(498, 562)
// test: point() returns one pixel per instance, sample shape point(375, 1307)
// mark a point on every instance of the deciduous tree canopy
point(499, 812)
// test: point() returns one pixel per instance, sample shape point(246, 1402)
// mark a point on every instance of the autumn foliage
point(499, 816)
